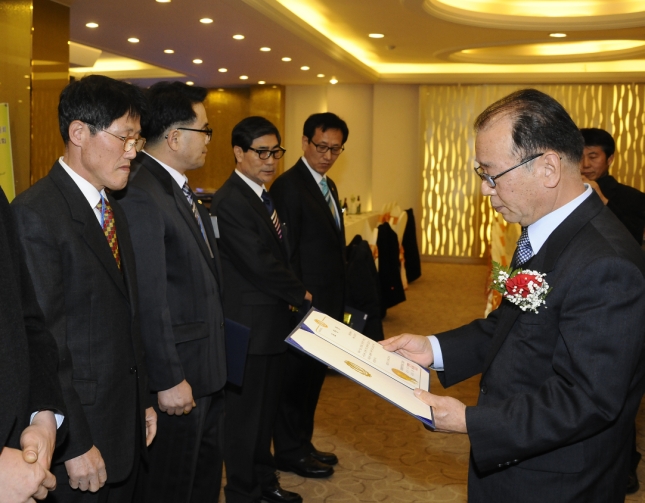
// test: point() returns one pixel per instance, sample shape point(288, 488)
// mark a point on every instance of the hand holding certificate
point(387, 374)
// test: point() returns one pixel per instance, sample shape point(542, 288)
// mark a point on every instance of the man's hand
point(151, 425)
point(449, 413)
point(39, 439)
point(21, 482)
point(87, 471)
point(413, 347)
point(594, 185)
point(177, 400)
point(308, 296)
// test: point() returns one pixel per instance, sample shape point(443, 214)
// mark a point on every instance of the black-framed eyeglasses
point(265, 154)
point(490, 180)
point(207, 131)
point(128, 141)
point(322, 149)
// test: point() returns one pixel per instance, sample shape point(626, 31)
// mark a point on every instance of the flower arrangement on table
point(525, 288)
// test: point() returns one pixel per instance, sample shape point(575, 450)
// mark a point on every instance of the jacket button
point(483, 389)
point(221, 325)
point(133, 370)
point(500, 465)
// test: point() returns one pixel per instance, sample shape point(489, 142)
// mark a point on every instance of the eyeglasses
point(207, 131)
point(265, 154)
point(490, 180)
point(322, 149)
point(128, 141)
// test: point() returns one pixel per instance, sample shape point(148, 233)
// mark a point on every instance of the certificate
point(389, 375)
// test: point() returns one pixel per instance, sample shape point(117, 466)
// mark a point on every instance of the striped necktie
point(109, 228)
point(524, 249)
point(268, 202)
point(327, 195)
point(191, 202)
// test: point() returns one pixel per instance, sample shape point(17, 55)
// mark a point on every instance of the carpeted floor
point(386, 455)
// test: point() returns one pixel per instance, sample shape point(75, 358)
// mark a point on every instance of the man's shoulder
point(39, 195)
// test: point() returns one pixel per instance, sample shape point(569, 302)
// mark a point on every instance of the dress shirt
point(176, 175)
point(539, 232)
point(318, 177)
point(92, 195)
point(254, 186)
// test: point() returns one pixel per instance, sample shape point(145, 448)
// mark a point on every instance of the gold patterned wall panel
point(456, 219)
point(225, 108)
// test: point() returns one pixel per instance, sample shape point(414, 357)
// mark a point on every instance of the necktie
point(191, 202)
point(109, 229)
point(524, 250)
point(327, 195)
point(268, 202)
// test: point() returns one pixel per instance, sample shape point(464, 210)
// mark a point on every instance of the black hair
point(251, 128)
point(539, 123)
point(170, 104)
point(324, 121)
point(595, 137)
point(98, 101)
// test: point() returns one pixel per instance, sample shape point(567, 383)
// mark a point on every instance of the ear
point(552, 169)
point(238, 153)
point(305, 143)
point(77, 132)
point(610, 159)
point(172, 139)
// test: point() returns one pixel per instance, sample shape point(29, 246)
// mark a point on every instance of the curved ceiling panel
point(540, 14)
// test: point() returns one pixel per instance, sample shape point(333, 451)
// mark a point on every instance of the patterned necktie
point(268, 202)
point(191, 202)
point(109, 229)
point(327, 195)
point(524, 250)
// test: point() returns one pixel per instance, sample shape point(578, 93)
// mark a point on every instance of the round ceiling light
point(197, 61)
point(238, 37)
point(286, 59)
point(169, 51)
point(265, 49)
point(376, 35)
point(92, 25)
point(133, 40)
point(244, 77)
point(206, 20)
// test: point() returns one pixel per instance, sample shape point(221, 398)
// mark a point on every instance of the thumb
point(30, 453)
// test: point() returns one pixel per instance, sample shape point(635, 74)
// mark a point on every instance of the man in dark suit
point(260, 287)
point(78, 250)
point(308, 204)
point(562, 371)
point(627, 203)
point(180, 283)
point(30, 398)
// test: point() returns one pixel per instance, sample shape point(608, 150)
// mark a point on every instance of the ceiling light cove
point(535, 14)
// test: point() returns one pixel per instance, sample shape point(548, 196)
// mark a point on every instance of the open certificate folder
point(361, 359)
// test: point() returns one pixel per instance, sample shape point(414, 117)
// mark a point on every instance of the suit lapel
point(545, 261)
point(316, 193)
point(87, 225)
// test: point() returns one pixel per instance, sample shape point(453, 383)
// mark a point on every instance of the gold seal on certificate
point(405, 376)
point(321, 323)
point(358, 369)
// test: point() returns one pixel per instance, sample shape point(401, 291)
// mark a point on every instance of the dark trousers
point(185, 458)
point(248, 428)
point(294, 426)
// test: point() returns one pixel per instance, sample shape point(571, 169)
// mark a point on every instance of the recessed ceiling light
point(376, 35)
point(261, 82)
point(190, 83)
point(265, 49)
point(169, 51)
point(557, 35)
point(305, 68)
point(206, 20)
point(163, 1)
point(238, 37)
point(333, 80)
point(222, 70)
point(197, 61)
point(244, 77)
point(320, 75)
point(133, 40)
point(92, 25)
point(286, 59)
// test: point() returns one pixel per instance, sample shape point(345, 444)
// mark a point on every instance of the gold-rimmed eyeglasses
point(128, 141)
point(490, 180)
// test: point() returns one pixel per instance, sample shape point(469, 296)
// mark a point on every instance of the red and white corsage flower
point(524, 288)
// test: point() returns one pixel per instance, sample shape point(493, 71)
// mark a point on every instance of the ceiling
point(425, 41)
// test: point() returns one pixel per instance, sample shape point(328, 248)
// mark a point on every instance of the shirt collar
point(540, 231)
point(176, 175)
point(317, 176)
point(92, 195)
point(254, 186)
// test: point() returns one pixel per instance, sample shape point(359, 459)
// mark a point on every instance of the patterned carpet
point(386, 455)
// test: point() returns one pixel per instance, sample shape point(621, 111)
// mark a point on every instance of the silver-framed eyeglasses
point(490, 180)
point(264, 154)
point(128, 141)
point(322, 149)
point(207, 131)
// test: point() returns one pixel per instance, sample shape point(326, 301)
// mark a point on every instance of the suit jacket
point(316, 243)
point(90, 307)
point(627, 203)
point(560, 388)
point(179, 282)
point(255, 261)
point(28, 355)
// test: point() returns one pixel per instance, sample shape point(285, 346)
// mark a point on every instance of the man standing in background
point(78, 250)
point(179, 277)
point(308, 204)
point(260, 287)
